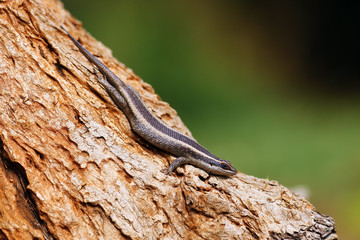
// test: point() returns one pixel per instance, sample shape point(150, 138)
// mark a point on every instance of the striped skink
point(153, 130)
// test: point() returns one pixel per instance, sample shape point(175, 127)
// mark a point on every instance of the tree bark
point(71, 168)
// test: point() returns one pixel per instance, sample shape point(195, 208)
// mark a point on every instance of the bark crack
point(17, 174)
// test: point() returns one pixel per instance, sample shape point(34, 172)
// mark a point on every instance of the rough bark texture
point(71, 168)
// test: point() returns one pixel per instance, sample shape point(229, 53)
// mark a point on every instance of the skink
point(153, 130)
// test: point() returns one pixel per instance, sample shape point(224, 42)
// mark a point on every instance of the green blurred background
point(272, 86)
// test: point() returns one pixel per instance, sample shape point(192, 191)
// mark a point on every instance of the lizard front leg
point(175, 164)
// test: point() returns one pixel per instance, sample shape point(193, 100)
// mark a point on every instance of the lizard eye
point(225, 166)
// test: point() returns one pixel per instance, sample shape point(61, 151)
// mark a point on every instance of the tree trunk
point(73, 169)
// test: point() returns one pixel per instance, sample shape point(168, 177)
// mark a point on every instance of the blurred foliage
point(270, 85)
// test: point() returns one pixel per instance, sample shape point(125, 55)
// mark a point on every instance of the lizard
point(152, 129)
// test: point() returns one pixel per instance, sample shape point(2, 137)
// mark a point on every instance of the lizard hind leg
point(113, 93)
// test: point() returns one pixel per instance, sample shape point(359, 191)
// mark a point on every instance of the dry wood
point(71, 168)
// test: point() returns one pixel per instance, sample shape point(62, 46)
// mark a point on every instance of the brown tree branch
point(73, 169)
